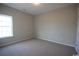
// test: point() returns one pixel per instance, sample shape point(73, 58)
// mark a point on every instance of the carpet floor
point(36, 47)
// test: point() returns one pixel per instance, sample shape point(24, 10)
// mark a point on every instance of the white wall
point(57, 26)
point(22, 24)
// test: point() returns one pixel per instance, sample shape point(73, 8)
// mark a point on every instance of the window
point(6, 26)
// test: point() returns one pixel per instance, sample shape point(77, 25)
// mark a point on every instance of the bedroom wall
point(22, 24)
point(57, 26)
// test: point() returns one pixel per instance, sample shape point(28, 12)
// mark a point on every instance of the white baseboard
point(58, 43)
point(9, 43)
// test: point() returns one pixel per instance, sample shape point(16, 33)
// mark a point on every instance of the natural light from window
point(6, 26)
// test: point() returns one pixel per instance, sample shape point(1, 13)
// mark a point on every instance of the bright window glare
point(6, 26)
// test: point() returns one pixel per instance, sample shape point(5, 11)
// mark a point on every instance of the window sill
point(6, 37)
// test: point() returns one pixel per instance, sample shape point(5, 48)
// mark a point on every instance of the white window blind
point(6, 26)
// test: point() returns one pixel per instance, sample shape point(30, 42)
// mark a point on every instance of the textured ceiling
point(35, 10)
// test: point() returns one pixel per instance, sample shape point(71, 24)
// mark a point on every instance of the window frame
point(11, 26)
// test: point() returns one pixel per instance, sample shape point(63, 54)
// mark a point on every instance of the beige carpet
point(36, 47)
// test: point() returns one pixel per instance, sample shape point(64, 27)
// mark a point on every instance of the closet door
point(77, 41)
